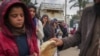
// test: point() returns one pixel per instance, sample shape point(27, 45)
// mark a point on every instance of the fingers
point(54, 39)
point(58, 42)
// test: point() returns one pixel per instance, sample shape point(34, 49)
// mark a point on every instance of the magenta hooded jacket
point(8, 46)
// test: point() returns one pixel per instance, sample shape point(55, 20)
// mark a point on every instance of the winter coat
point(48, 32)
point(8, 46)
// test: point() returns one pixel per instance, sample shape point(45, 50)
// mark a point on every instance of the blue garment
point(22, 45)
point(34, 21)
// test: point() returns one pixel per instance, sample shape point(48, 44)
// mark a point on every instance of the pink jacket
point(8, 46)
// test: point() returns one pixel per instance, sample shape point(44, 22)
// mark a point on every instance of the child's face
point(32, 11)
point(16, 17)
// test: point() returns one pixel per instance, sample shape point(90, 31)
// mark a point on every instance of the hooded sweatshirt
point(8, 46)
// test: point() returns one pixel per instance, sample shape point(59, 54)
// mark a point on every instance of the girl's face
point(45, 19)
point(32, 12)
point(16, 17)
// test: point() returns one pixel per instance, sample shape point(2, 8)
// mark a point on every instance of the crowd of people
point(22, 31)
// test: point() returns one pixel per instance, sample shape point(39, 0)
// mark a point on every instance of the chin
point(19, 26)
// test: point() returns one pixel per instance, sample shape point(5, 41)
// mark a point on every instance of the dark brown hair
point(43, 18)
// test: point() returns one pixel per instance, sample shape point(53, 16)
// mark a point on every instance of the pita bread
point(48, 48)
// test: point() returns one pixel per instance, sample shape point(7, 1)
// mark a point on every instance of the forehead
point(32, 9)
point(16, 9)
point(46, 17)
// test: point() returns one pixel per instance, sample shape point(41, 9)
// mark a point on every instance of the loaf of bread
point(48, 48)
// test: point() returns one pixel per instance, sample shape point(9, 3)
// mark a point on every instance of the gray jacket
point(84, 33)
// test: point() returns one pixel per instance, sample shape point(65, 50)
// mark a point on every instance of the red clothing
point(8, 46)
point(73, 31)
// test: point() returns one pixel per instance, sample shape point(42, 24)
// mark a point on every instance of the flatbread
point(48, 48)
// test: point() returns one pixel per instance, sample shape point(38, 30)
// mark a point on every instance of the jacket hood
point(3, 10)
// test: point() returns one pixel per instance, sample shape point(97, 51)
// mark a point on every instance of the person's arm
point(80, 33)
point(40, 33)
point(76, 39)
point(67, 42)
point(71, 41)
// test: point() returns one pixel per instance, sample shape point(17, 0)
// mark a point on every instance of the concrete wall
point(52, 10)
point(52, 14)
point(89, 4)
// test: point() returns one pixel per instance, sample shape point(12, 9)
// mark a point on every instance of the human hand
point(58, 42)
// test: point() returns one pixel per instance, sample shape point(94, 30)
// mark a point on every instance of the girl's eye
point(22, 15)
point(14, 15)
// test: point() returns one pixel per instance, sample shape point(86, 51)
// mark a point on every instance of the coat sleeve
point(76, 39)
